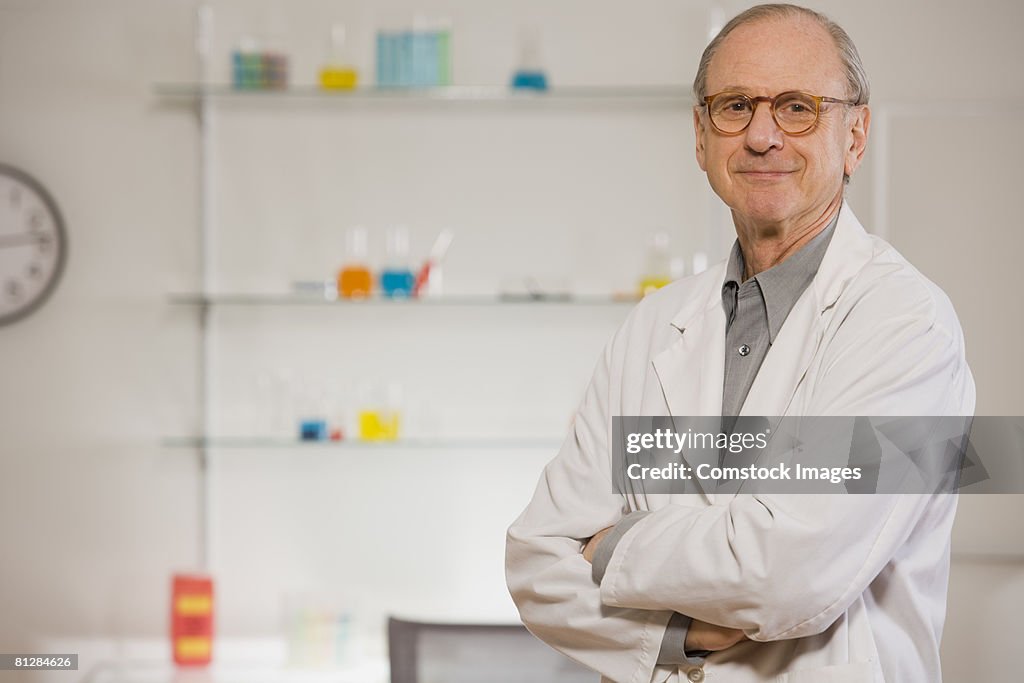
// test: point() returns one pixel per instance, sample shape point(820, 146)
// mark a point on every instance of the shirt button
point(743, 349)
point(695, 675)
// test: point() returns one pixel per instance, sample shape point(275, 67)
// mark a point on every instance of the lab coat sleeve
point(787, 566)
point(673, 645)
point(548, 577)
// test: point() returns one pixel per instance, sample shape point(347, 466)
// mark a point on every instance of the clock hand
point(21, 240)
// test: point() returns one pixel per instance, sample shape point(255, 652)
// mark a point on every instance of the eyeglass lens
point(795, 112)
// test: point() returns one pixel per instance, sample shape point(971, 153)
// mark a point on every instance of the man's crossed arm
point(700, 635)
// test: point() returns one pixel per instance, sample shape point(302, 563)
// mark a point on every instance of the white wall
point(96, 515)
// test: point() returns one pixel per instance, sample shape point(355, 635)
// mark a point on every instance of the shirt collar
point(782, 284)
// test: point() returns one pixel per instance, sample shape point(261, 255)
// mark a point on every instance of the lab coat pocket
point(861, 672)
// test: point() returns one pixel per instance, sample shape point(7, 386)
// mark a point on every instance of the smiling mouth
point(765, 175)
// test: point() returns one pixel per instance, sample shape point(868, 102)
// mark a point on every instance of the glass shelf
point(453, 300)
point(258, 442)
point(679, 94)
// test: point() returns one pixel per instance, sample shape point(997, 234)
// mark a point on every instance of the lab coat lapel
point(801, 335)
point(691, 370)
point(798, 340)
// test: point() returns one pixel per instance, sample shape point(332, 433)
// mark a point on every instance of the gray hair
point(857, 79)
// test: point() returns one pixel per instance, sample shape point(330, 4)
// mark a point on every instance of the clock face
point(33, 245)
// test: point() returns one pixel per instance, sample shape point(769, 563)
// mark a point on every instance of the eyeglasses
point(794, 112)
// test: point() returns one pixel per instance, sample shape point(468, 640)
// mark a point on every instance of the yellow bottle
point(378, 425)
point(380, 411)
point(649, 284)
point(338, 73)
point(338, 78)
point(657, 271)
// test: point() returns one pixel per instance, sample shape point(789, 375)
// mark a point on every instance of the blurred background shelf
point(450, 443)
point(239, 299)
point(673, 94)
point(529, 181)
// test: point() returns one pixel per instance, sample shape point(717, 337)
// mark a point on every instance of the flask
point(657, 271)
point(247, 71)
point(338, 73)
point(530, 74)
point(396, 279)
point(313, 410)
point(275, 66)
point(354, 279)
point(379, 412)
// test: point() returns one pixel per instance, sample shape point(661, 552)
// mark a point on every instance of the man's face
point(768, 178)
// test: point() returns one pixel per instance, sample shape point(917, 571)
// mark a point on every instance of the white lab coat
point(828, 588)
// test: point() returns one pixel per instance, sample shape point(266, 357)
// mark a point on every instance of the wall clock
point(33, 244)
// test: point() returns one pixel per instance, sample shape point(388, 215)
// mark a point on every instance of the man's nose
point(763, 133)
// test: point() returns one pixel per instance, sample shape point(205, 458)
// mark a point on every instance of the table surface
point(235, 660)
point(157, 672)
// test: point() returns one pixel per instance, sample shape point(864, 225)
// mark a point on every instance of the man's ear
point(858, 139)
point(698, 131)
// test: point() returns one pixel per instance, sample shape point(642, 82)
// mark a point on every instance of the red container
point(192, 619)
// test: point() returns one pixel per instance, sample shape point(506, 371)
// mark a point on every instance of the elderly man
point(810, 315)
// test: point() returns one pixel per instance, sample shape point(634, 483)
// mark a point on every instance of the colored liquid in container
point(275, 71)
point(338, 78)
point(355, 282)
point(649, 284)
point(338, 72)
point(530, 80)
point(658, 270)
point(313, 430)
point(396, 277)
point(256, 70)
point(192, 619)
point(354, 279)
point(247, 70)
point(378, 425)
point(530, 74)
point(397, 283)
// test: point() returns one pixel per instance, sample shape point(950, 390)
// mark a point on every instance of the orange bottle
point(355, 281)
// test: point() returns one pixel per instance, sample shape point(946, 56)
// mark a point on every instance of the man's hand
point(591, 546)
point(705, 636)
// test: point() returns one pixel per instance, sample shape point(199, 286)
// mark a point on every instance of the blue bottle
point(529, 80)
point(530, 73)
point(314, 429)
point(396, 278)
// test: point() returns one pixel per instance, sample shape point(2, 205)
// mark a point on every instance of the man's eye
point(737, 105)
point(796, 106)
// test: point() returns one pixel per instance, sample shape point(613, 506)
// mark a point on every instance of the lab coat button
point(743, 350)
point(695, 675)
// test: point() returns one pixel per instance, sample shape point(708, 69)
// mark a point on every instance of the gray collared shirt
point(755, 310)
